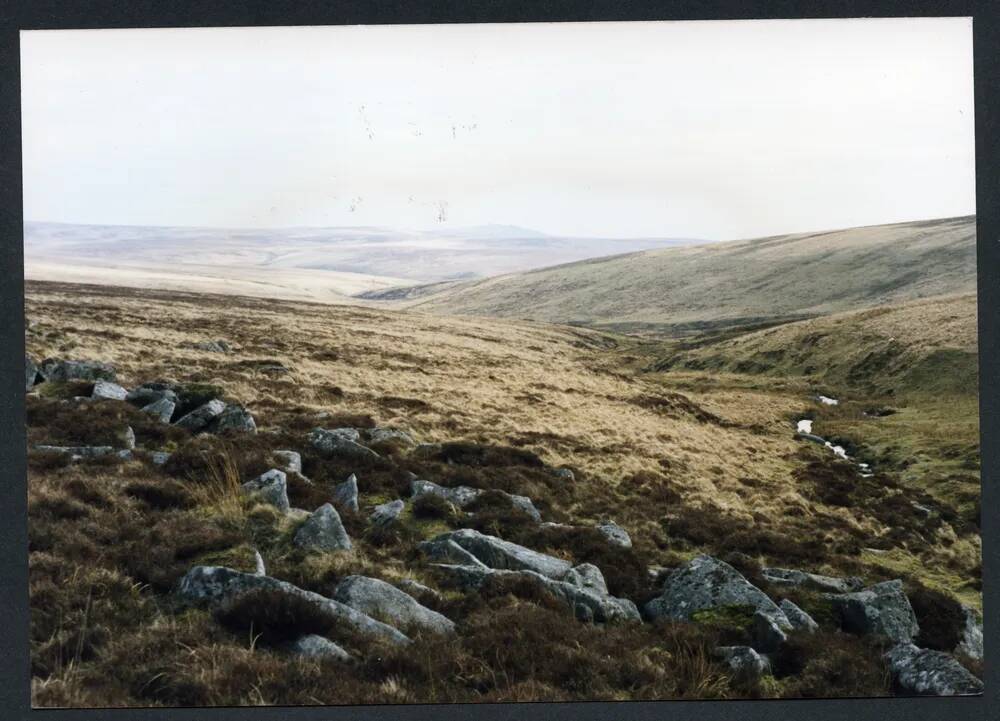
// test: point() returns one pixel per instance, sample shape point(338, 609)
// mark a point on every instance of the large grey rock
point(971, 643)
point(234, 418)
point(108, 390)
point(200, 417)
point(386, 513)
point(390, 435)
point(800, 620)
point(323, 531)
point(291, 460)
point(881, 609)
point(768, 635)
point(162, 409)
point(216, 585)
point(705, 582)
point(313, 646)
point(151, 392)
point(340, 443)
point(587, 576)
point(498, 553)
point(925, 672)
point(586, 604)
point(345, 495)
point(745, 664)
point(80, 453)
point(76, 370)
point(615, 534)
point(30, 373)
point(382, 600)
point(462, 496)
point(445, 550)
point(829, 584)
point(271, 487)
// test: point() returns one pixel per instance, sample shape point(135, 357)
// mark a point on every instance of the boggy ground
point(686, 462)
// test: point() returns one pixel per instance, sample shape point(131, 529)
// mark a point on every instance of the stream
point(804, 430)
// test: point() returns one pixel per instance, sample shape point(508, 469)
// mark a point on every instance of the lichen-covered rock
point(417, 589)
point(291, 460)
point(768, 635)
point(445, 550)
point(462, 496)
point(615, 534)
point(705, 582)
point(498, 553)
point(971, 643)
point(216, 585)
point(925, 672)
point(80, 453)
point(162, 409)
point(588, 576)
point(814, 581)
point(800, 620)
point(323, 531)
point(30, 373)
point(382, 600)
point(76, 370)
point(200, 417)
point(386, 513)
point(151, 392)
point(340, 443)
point(745, 664)
point(313, 646)
point(270, 487)
point(390, 435)
point(345, 495)
point(881, 609)
point(234, 418)
point(109, 391)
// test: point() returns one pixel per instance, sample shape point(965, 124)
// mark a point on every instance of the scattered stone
point(587, 576)
point(108, 390)
point(259, 569)
point(292, 460)
point(615, 534)
point(216, 585)
point(127, 438)
point(271, 487)
point(880, 609)
point(149, 393)
point(565, 473)
point(159, 457)
point(382, 600)
point(345, 494)
point(462, 496)
point(30, 373)
point(498, 553)
point(233, 418)
point(386, 513)
point(829, 584)
point(79, 453)
point(926, 672)
point(416, 589)
point(341, 443)
point(163, 409)
point(212, 346)
point(705, 582)
point(76, 370)
point(746, 664)
point(800, 620)
point(971, 643)
point(199, 418)
point(323, 531)
point(768, 635)
point(390, 435)
point(313, 646)
point(446, 551)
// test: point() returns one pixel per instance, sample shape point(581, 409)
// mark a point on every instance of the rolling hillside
point(675, 291)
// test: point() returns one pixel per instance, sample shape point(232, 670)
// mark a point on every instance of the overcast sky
point(697, 130)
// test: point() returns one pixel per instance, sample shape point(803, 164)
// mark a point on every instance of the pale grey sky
point(697, 129)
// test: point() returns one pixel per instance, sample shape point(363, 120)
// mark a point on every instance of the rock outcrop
point(199, 419)
point(382, 600)
point(313, 646)
point(162, 409)
point(291, 460)
point(215, 585)
point(386, 513)
point(921, 671)
point(814, 581)
point(340, 443)
point(462, 496)
point(800, 620)
point(881, 609)
point(323, 531)
point(109, 391)
point(270, 487)
point(76, 370)
point(615, 534)
point(745, 664)
point(345, 495)
point(233, 418)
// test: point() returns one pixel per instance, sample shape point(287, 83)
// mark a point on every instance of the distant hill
point(675, 291)
point(404, 257)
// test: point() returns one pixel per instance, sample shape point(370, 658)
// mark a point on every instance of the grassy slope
point(734, 283)
point(683, 460)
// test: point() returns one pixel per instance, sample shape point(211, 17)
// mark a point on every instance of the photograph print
point(488, 363)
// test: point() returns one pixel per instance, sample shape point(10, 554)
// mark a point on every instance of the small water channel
point(804, 430)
